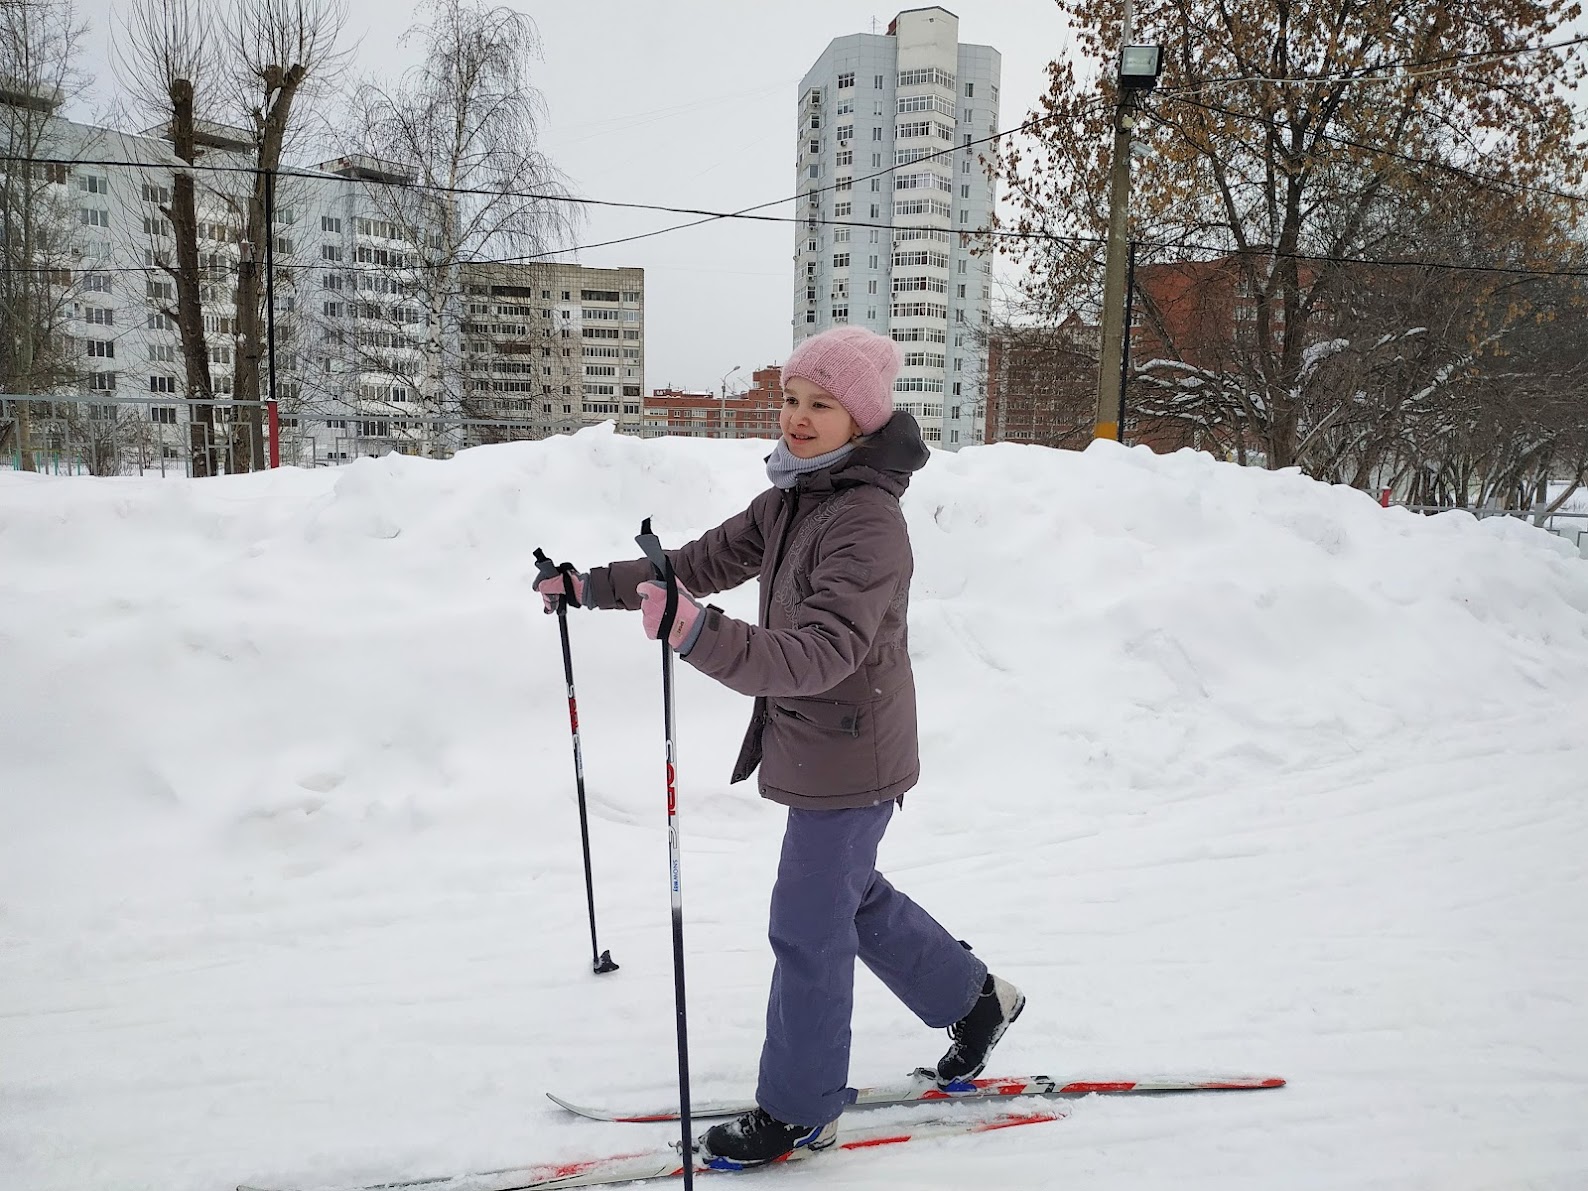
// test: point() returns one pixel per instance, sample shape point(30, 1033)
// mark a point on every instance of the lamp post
point(722, 402)
point(1139, 68)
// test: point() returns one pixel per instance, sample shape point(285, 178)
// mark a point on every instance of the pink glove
point(552, 589)
point(686, 620)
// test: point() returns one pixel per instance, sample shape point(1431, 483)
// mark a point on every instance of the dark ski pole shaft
point(600, 961)
point(663, 567)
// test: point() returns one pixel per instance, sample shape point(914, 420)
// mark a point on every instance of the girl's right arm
point(720, 559)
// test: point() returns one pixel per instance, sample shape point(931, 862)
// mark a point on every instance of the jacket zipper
point(791, 501)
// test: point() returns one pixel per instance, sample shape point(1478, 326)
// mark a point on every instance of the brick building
point(750, 414)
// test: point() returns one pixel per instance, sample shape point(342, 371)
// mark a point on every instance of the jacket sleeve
point(718, 560)
point(860, 562)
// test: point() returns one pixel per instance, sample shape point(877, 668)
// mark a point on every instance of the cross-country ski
point(922, 1086)
point(664, 1163)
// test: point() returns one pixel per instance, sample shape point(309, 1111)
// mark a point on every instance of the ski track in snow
point(1227, 769)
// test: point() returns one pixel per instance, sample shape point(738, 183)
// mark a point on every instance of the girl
point(833, 734)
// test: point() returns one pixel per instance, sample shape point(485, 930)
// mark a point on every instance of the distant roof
point(369, 169)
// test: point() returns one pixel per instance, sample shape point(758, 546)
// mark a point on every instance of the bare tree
point(230, 89)
point(279, 50)
point(466, 124)
point(39, 40)
point(167, 60)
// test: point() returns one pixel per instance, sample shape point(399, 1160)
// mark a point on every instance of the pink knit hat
point(856, 366)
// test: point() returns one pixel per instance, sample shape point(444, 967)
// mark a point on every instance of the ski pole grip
point(651, 546)
point(546, 569)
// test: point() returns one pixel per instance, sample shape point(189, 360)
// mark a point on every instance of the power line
point(706, 216)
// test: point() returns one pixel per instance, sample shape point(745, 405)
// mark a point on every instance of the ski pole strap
point(570, 594)
point(651, 546)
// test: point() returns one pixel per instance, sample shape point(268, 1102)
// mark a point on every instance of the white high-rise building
point(893, 203)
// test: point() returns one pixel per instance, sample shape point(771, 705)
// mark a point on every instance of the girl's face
point(812, 421)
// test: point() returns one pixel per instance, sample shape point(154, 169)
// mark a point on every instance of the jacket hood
point(886, 459)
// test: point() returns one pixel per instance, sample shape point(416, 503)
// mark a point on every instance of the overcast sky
point(692, 105)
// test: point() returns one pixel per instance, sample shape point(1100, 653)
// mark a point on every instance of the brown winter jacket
point(829, 665)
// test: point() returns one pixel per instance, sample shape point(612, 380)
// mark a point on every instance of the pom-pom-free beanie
point(856, 366)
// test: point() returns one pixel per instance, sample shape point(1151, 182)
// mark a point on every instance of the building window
point(93, 216)
point(329, 223)
point(102, 382)
point(875, 210)
point(162, 384)
point(840, 260)
point(845, 132)
point(163, 413)
point(840, 210)
point(970, 90)
point(102, 347)
point(876, 133)
point(156, 194)
point(847, 79)
point(846, 157)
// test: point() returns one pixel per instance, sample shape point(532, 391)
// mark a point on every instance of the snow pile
point(1227, 769)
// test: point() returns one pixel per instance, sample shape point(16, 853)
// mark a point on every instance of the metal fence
point(126, 436)
point(1570, 524)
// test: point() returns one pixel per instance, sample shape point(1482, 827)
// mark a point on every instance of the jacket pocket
point(817, 747)
point(823, 713)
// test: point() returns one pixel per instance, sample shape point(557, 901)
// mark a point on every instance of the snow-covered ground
point(1227, 769)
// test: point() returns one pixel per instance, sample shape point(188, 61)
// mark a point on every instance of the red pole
point(1384, 497)
point(274, 413)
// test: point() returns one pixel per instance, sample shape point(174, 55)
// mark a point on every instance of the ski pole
point(600, 961)
point(663, 567)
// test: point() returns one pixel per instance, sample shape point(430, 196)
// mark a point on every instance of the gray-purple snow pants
point(829, 905)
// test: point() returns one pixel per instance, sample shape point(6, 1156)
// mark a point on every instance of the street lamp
point(1139, 68)
point(722, 408)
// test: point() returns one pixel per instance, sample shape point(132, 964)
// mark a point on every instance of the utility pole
point(1139, 67)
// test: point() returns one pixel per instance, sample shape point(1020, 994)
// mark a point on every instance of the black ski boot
point(757, 1137)
point(974, 1035)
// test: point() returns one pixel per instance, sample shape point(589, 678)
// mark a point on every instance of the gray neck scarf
point(784, 468)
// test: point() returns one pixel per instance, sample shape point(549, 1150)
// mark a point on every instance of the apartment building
point(383, 338)
point(348, 363)
point(550, 347)
point(893, 204)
